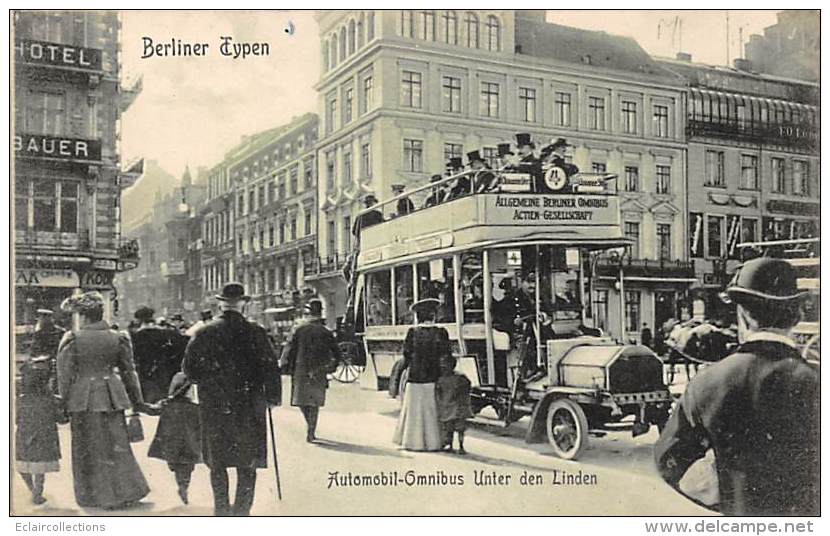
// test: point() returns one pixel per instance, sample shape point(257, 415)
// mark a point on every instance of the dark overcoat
point(234, 365)
point(309, 356)
point(758, 410)
point(158, 357)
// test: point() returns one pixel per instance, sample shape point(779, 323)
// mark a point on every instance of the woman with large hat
point(97, 381)
point(418, 427)
point(757, 410)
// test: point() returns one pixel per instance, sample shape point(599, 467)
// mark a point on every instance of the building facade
point(68, 98)
point(259, 226)
point(753, 167)
point(403, 91)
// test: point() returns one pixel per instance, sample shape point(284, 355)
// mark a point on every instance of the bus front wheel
point(567, 428)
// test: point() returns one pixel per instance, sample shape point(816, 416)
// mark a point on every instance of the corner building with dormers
point(403, 91)
point(68, 97)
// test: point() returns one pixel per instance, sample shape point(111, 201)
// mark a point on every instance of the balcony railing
point(801, 135)
point(325, 266)
point(652, 268)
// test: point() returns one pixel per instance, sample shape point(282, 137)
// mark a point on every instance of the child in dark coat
point(37, 448)
point(452, 393)
point(178, 435)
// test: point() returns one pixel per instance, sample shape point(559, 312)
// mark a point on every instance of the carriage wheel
point(347, 372)
point(567, 428)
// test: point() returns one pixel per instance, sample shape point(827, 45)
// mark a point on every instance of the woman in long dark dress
point(97, 382)
point(418, 427)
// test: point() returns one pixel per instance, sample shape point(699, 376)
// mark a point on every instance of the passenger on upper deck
point(367, 219)
point(528, 162)
point(462, 185)
point(505, 158)
point(405, 205)
point(437, 194)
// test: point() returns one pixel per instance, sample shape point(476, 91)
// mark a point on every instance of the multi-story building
point(790, 48)
point(753, 165)
point(402, 91)
point(68, 98)
point(272, 188)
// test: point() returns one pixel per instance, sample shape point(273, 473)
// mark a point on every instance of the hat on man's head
point(44, 312)
point(233, 292)
point(522, 139)
point(426, 305)
point(770, 280)
point(313, 308)
point(84, 303)
point(370, 199)
point(435, 178)
point(455, 163)
point(503, 149)
point(474, 156)
point(144, 313)
point(398, 187)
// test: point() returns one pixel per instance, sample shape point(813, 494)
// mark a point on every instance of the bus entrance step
point(488, 421)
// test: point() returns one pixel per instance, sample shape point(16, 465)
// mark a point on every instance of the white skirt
point(418, 427)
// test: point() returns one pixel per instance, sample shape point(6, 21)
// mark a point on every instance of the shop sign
point(104, 264)
point(46, 278)
point(57, 55)
point(40, 146)
point(539, 209)
point(798, 208)
point(97, 280)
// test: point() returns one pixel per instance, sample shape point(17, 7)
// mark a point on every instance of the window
point(411, 89)
point(240, 209)
point(271, 190)
point(330, 168)
point(714, 225)
point(749, 230)
point(352, 37)
point(601, 309)
point(714, 169)
point(294, 180)
point(664, 241)
point(282, 232)
point(366, 102)
point(749, 172)
point(596, 113)
point(632, 179)
point(331, 241)
point(21, 204)
point(347, 233)
point(307, 223)
point(632, 232)
point(632, 310)
point(251, 200)
point(45, 113)
point(347, 168)
point(471, 27)
point(801, 178)
point(661, 121)
point(527, 104)
point(450, 27)
point(489, 99)
point(308, 174)
point(490, 155)
point(629, 117)
point(403, 295)
point(379, 303)
point(348, 98)
point(598, 167)
point(663, 179)
point(365, 161)
point(453, 150)
point(370, 26)
point(563, 109)
point(779, 176)
point(271, 235)
point(331, 114)
point(261, 194)
point(493, 30)
point(293, 229)
point(281, 186)
point(452, 95)
point(428, 25)
point(407, 23)
point(413, 155)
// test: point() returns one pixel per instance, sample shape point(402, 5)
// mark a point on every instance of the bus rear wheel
point(567, 428)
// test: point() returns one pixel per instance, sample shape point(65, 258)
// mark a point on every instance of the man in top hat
point(367, 219)
point(757, 409)
point(158, 354)
point(556, 171)
point(527, 161)
point(310, 355)
point(234, 366)
point(505, 157)
point(404, 205)
point(47, 335)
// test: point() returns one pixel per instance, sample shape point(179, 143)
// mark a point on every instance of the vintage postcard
point(461, 262)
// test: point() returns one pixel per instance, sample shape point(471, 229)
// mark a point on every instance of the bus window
point(380, 299)
point(435, 280)
point(559, 280)
point(403, 295)
point(472, 287)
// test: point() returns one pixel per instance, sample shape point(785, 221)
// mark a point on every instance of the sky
point(193, 109)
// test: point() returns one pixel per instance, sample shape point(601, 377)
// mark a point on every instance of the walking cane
point(274, 449)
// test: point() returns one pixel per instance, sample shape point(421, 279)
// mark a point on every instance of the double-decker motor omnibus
point(475, 252)
point(804, 254)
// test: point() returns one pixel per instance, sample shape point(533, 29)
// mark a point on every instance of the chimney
point(684, 56)
point(743, 64)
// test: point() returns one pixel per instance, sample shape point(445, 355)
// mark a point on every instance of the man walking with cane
point(238, 377)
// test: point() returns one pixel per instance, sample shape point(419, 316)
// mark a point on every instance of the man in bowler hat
point(757, 409)
point(234, 366)
point(311, 354)
point(367, 219)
